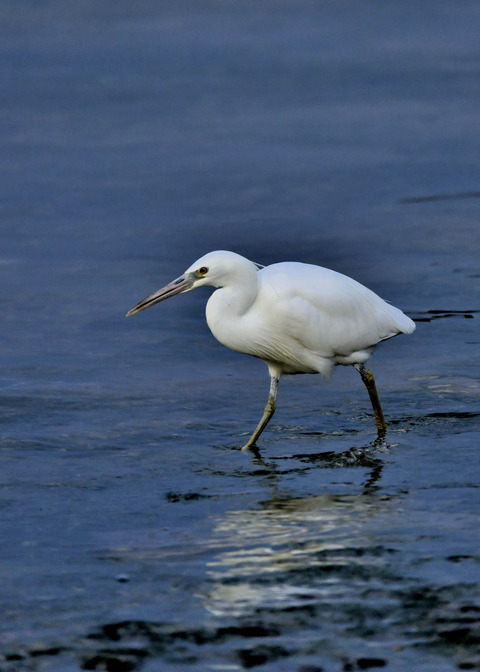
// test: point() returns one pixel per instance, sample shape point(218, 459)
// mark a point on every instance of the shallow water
point(135, 532)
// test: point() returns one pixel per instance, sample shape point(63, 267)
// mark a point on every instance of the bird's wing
point(325, 311)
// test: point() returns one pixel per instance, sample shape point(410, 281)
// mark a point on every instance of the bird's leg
point(267, 413)
point(369, 381)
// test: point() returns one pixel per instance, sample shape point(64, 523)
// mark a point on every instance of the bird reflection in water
point(294, 552)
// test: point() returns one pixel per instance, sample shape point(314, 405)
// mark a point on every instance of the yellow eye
point(203, 270)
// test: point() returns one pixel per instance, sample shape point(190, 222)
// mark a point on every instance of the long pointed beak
point(181, 284)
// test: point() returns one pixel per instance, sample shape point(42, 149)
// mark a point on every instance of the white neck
point(230, 302)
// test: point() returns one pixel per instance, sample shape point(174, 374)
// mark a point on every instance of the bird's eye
point(203, 270)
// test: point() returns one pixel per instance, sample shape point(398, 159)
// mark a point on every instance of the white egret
point(297, 318)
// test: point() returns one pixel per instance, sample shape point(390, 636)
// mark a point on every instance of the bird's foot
point(251, 447)
point(380, 443)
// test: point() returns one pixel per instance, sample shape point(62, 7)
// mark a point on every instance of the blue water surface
point(135, 533)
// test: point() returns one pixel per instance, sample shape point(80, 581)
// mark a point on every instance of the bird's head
point(213, 269)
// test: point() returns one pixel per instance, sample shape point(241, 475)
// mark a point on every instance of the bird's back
point(321, 313)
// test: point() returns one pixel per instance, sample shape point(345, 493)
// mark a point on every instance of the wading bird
point(297, 318)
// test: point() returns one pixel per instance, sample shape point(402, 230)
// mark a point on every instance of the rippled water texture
point(135, 533)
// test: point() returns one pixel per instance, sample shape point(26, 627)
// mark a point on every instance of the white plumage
point(297, 318)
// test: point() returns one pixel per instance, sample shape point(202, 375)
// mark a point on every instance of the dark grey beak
point(181, 284)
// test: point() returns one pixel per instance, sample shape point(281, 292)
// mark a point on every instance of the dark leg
point(369, 381)
point(267, 413)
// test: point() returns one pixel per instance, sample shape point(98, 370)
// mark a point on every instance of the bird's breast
point(228, 327)
point(257, 333)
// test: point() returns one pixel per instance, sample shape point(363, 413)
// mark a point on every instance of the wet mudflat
point(135, 533)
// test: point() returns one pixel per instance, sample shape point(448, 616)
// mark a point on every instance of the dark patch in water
point(431, 315)
point(185, 496)
point(441, 197)
point(457, 415)
point(354, 457)
point(259, 655)
point(114, 661)
point(364, 663)
point(451, 418)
